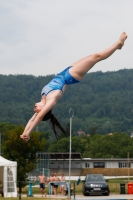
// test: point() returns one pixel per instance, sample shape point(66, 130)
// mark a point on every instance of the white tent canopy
point(8, 177)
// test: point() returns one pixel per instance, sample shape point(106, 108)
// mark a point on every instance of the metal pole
point(128, 165)
point(74, 190)
point(71, 115)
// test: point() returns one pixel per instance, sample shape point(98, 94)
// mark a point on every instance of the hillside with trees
point(102, 102)
point(116, 145)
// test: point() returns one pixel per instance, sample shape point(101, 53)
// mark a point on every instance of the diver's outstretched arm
point(35, 120)
point(29, 124)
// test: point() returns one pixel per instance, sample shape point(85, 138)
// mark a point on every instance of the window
point(99, 164)
point(87, 165)
point(123, 165)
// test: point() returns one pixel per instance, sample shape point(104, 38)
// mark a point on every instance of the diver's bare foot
point(121, 40)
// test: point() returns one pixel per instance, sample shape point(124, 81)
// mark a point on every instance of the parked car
point(95, 184)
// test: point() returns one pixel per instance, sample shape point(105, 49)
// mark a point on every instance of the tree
point(16, 149)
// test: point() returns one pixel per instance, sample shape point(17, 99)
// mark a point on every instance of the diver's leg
point(81, 67)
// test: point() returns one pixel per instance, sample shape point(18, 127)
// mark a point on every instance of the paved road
point(112, 196)
point(81, 197)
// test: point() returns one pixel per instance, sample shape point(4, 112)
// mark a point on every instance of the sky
point(43, 37)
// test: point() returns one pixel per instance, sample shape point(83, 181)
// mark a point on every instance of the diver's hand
point(25, 137)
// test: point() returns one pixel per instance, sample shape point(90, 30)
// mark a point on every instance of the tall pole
point(128, 165)
point(71, 115)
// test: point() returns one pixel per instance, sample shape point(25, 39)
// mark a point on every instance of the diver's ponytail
point(54, 123)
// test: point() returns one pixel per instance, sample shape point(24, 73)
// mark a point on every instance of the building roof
point(65, 156)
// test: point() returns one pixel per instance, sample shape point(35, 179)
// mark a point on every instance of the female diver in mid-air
point(53, 91)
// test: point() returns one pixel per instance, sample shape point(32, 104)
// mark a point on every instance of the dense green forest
point(102, 102)
point(116, 145)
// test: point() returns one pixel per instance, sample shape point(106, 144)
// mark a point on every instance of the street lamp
point(71, 115)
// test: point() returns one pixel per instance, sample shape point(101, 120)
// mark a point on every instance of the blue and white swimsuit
point(57, 83)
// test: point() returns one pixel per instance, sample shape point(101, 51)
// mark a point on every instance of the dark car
point(95, 184)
